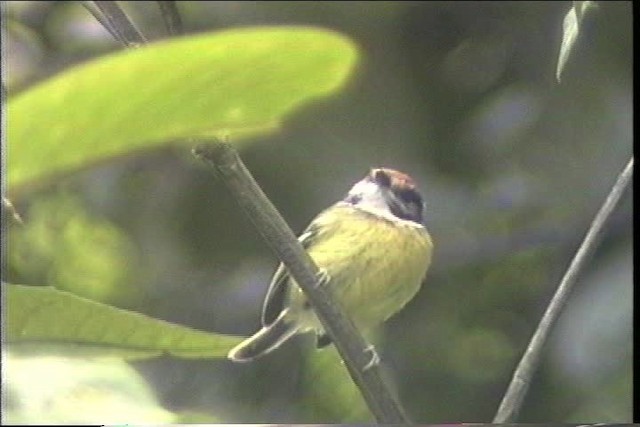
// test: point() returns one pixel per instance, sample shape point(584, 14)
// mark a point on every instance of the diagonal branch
point(171, 16)
point(93, 9)
point(113, 18)
point(354, 350)
point(512, 400)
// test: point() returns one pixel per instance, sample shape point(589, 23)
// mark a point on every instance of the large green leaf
point(228, 83)
point(41, 317)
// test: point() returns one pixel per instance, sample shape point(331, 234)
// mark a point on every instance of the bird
point(373, 250)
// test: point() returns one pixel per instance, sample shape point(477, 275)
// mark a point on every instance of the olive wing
point(276, 297)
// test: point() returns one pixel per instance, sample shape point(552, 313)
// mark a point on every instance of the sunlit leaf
point(41, 317)
point(235, 83)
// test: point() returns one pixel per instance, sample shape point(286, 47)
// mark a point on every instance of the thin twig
point(118, 23)
point(512, 400)
point(93, 9)
point(171, 17)
point(352, 347)
point(9, 214)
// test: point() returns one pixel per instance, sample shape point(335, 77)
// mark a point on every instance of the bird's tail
point(266, 339)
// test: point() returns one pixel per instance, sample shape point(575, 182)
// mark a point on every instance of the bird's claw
point(375, 359)
point(322, 278)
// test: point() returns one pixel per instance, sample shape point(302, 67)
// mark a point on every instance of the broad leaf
point(41, 317)
point(227, 83)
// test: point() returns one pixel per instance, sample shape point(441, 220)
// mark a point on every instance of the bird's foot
point(322, 278)
point(375, 359)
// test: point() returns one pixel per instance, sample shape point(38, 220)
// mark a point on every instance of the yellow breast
point(376, 265)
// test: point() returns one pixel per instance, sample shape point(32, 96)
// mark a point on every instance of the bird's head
point(388, 192)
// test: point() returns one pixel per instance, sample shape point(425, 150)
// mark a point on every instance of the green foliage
point(192, 417)
point(42, 317)
point(484, 347)
point(235, 82)
point(63, 245)
point(330, 395)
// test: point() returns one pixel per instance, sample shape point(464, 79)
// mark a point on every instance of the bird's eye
point(410, 196)
point(354, 199)
point(411, 206)
point(382, 178)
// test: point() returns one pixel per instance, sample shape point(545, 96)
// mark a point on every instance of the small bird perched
point(373, 248)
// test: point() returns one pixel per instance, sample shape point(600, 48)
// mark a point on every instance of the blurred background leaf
point(77, 391)
point(65, 246)
point(330, 396)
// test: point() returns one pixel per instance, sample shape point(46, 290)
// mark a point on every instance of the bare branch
point(512, 400)
point(93, 9)
point(113, 18)
point(171, 16)
point(9, 214)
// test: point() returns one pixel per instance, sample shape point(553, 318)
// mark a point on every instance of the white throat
point(371, 198)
